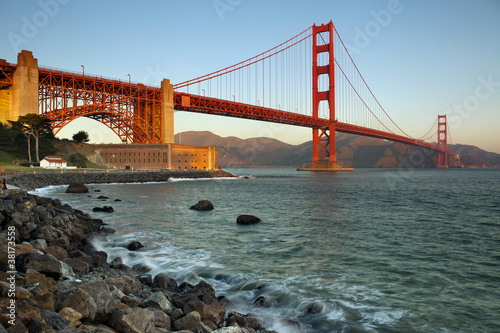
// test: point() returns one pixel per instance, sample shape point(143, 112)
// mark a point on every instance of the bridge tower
point(324, 157)
point(442, 141)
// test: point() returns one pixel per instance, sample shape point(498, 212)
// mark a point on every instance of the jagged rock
point(131, 301)
point(146, 279)
point(99, 291)
point(203, 205)
point(72, 316)
point(201, 299)
point(19, 292)
point(44, 263)
point(54, 320)
point(161, 320)
point(41, 287)
point(247, 219)
point(164, 281)
point(134, 246)
point(77, 188)
point(176, 314)
point(133, 321)
point(47, 232)
point(26, 309)
point(126, 283)
point(104, 209)
point(191, 322)
point(79, 300)
point(57, 252)
point(39, 244)
point(38, 325)
point(158, 301)
point(241, 320)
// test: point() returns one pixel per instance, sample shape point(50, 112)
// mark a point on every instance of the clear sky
point(428, 57)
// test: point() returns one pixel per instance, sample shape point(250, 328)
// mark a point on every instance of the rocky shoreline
point(52, 279)
point(39, 180)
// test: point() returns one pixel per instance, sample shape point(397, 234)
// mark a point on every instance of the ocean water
point(372, 250)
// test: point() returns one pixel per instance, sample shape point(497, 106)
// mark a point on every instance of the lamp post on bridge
point(129, 79)
point(83, 70)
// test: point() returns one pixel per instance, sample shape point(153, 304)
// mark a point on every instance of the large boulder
point(45, 264)
point(201, 299)
point(133, 321)
point(104, 209)
point(134, 246)
point(164, 281)
point(159, 301)
point(77, 188)
point(203, 205)
point(191, 322)
point(247, 219)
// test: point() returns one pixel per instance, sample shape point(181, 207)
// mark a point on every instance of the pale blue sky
point(431, 57)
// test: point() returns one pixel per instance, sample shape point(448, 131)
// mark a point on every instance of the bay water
point(372, 250)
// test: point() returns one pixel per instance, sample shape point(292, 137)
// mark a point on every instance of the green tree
point(33, 125)
point(81, 136)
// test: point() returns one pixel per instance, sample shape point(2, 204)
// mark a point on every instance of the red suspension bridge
point(310, 80)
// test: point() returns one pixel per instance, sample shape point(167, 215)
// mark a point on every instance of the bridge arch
point(127, 125)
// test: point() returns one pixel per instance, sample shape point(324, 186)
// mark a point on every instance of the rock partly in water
point(134, 246)
point(105, 209)
point(247, 219)
point(77, 187)
point(203, 205)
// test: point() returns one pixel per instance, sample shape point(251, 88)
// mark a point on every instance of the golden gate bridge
point(309, 80)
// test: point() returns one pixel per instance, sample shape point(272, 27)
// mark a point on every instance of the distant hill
point(352, 151)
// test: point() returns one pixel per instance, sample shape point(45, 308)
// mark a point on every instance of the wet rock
point(141, 268)
point(77, 187)
point(118, 200)
point(201, 299)
point(145, 279)
point(104, 209)
point(265, 302)
point(134, 246)
point(241, 320)
point(116, 262)
point(313, 308)
point(102, 197)
point(133, 321)
point(247, 219)
point(203, 205)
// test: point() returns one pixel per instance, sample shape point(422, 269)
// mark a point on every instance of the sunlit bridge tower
point(323, 157)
